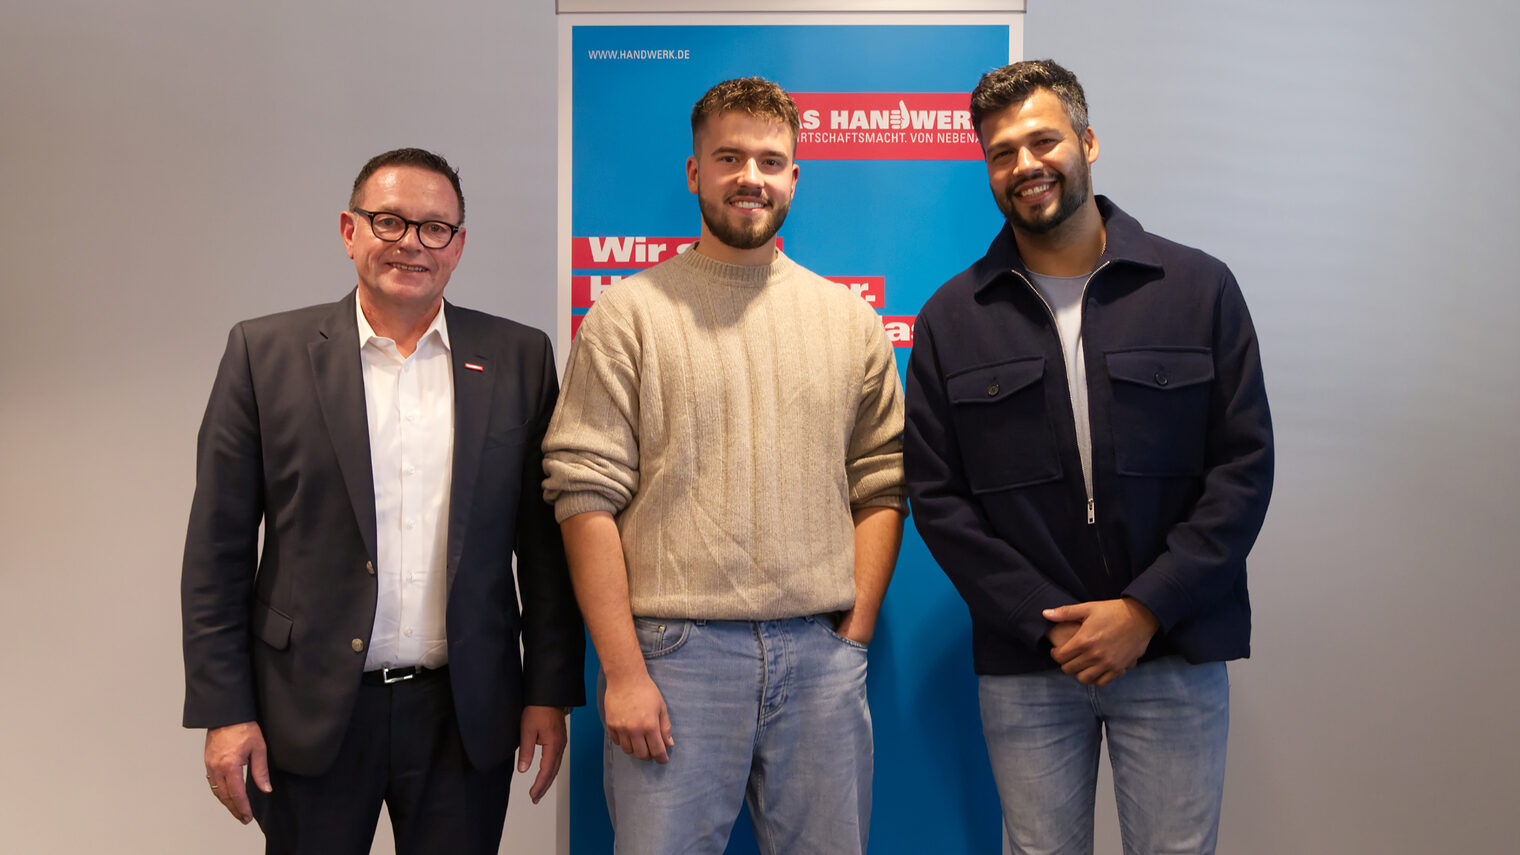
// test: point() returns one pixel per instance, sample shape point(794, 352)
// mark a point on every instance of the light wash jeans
point(772, 713)
point(1167, 724)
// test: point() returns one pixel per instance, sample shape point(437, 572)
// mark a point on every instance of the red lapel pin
point(473, 367)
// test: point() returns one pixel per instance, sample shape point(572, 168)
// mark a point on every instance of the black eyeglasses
point(433, 234)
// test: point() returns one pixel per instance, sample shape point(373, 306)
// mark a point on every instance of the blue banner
point(891, 201)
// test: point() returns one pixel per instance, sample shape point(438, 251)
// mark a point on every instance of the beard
point(741, 235)
point(1074, 192)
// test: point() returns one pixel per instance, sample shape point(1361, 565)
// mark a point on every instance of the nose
point(750, 173)
point(1026, 160)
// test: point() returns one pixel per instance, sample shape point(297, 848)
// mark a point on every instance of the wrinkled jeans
point(772, 713)
point(1167, 723)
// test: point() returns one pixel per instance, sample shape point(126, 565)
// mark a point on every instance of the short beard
point(1073, 195)
point(739, 237)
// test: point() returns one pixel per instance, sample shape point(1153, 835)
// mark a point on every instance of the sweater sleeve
point(874, 463)
point(591, 451)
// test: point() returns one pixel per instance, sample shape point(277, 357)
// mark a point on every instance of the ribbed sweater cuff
point(897, 503)
point(570, 504)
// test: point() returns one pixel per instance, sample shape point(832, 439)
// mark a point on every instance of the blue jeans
point(772, 713)
point(1167, 724)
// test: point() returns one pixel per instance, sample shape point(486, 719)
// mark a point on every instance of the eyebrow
point(433, 217)
point(733, 149)
point(1032, 134)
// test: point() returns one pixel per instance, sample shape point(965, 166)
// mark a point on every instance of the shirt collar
point(440, 326)
point(1127, 243)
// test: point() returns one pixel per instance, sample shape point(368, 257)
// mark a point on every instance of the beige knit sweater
point(730, 418)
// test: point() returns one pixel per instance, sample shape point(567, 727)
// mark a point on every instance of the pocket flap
point(271, 627)
point(992, 383)
point(1162, 368)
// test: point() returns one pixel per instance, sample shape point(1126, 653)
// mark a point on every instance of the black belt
point(385, 676)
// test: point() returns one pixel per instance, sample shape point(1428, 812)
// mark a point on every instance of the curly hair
point(753, 95)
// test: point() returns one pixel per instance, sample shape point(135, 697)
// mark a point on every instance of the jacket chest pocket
point(1160, 411)
point(1003, 424)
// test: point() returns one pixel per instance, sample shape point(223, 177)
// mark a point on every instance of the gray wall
point(171, 168)
point(1351, 162)
point(168, 168)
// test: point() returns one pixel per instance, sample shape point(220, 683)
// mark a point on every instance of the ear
point(796, 171)
point(347, 223)
point(1090, 145)
point(691, 174)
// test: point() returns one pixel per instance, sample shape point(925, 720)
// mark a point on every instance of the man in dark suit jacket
point(389, 446)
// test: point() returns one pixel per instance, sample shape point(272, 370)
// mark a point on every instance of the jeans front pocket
point(660, 636)
point(829, 623)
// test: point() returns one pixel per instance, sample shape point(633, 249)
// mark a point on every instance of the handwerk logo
point(886, 126)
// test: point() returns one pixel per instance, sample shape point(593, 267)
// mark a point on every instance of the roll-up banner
point(891, 201)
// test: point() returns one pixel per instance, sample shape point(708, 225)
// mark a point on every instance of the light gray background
point(168, 167)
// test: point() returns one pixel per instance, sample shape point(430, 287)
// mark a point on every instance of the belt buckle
point(400, 674)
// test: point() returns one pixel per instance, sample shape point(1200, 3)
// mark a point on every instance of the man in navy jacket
point(1089, 457)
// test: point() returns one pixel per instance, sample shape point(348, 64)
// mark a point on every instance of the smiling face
point(743, 174)
point(403, 278)
point(1038, 166)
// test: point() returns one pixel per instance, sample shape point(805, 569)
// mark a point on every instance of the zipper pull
point(1092, 516)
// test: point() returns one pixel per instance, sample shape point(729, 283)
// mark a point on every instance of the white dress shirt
point(410, 404)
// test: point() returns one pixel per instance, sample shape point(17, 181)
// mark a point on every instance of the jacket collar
point(336, 365)
point(475, 379)
point(1128, 243)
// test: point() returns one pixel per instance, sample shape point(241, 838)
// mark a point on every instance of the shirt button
point(407, 632)
point(411, 470)
point(357, 644)
point(410, 524)
point(992, 388)
point(411, 417)
point(1161, 378)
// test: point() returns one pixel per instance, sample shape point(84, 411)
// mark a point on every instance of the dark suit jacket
point(280, 636)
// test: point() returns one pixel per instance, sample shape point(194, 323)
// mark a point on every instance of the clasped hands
point(1098, 641)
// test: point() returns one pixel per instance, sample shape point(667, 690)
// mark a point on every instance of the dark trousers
point(402, 748)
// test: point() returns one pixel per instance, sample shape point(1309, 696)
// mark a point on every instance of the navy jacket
point(1181, 448)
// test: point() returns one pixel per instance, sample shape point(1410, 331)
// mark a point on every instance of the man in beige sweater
point(725, 463)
